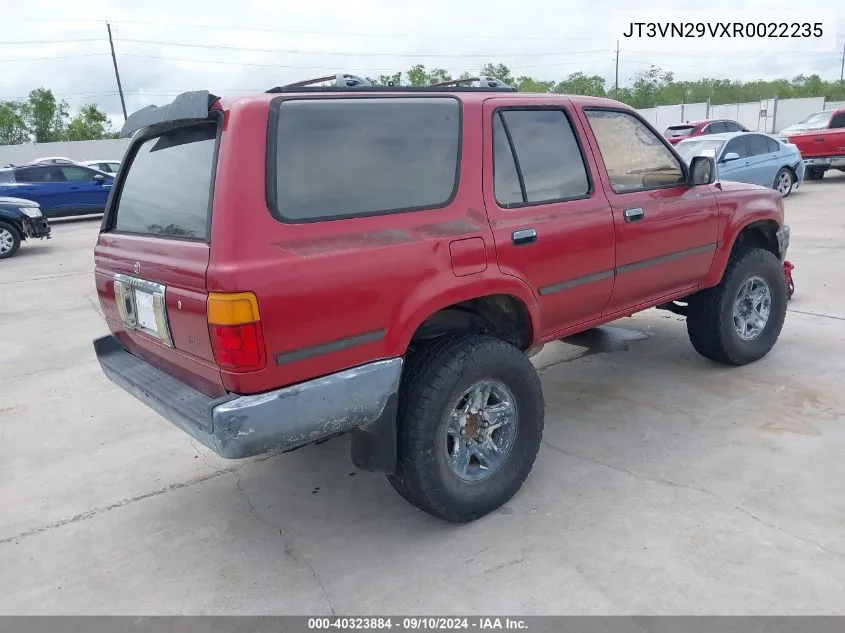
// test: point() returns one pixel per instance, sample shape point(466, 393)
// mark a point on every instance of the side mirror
point(702, 170)
point(729, 157)
point(99, 177)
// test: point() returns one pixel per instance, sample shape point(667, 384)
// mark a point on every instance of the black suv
point(20, 220)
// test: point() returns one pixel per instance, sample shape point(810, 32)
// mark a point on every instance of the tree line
point(42, 118)
point(647, 89)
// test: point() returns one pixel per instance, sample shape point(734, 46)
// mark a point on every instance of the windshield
point(816, 121)
point(695, 147)
point(678, 130)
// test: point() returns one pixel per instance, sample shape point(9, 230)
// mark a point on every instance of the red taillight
point(237, 347)
point(235, 329)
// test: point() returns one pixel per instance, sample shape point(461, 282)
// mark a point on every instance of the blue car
point(750, 157)
point(60, 190)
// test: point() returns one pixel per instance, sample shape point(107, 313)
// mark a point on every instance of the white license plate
point(142, 306)
point(145, 311)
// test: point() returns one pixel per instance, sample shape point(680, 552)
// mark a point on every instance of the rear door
point(762, 164)
point(153, 252)
point(552, 225)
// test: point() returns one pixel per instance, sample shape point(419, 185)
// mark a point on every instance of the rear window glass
point(354, 157)
point(678, 130)
point(167, 188)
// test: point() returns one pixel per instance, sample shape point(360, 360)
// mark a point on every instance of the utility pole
point(616, 83)
point(842, 68)
point(116, 73)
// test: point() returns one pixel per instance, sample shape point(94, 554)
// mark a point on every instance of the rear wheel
point(10, 240)
point(784, 181)
point(470, 423)
point(739, 321)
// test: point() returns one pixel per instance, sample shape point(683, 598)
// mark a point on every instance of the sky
point(167, 47)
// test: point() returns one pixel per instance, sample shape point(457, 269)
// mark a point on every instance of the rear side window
point(838, 120)
point(774, 146)
point(717, 128)
point(167, 188)
point(40, 174)
point(341, 158)
point(7, 176)
point(757, 145)
point(536, 158)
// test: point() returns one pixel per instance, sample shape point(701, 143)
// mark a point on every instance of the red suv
point(286, 267)
point(677, 133)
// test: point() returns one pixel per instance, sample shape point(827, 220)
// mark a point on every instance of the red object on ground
point(788, 267)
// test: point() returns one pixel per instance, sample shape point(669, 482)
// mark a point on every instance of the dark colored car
point(676, 133)
point(20, 220)
point(282, 268)
point(61, 190)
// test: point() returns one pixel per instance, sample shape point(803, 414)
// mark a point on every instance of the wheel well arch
point(501, 315)
point(759, 234)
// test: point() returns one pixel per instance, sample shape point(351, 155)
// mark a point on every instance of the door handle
point(633, 215)
point(524, 236)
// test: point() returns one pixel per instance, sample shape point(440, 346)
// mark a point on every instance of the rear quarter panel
point(369, 279)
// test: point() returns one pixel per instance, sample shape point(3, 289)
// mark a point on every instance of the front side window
point(738, 145)
point(536, 158)
point(77, 173)
point(838, 120)
point(636, 159)
point(342, 158)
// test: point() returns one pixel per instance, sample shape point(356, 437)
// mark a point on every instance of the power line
point(35, 59)
point(90, 39)
point(246, 49)
point(324, 67)
point(222, 27)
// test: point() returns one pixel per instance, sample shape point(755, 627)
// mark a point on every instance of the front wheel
point(784, 181)
point(10, 240)
point(739, 321)
point(470, 421)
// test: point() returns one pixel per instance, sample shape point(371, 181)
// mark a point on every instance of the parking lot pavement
point(665, 484)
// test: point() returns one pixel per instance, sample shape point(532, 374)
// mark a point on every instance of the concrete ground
point(665, 484)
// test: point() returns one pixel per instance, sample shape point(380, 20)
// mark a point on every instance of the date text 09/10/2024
point(416, 624)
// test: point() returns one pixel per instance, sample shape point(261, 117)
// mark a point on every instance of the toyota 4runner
point(317, 260)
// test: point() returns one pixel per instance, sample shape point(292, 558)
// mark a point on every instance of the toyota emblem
point(137, 268)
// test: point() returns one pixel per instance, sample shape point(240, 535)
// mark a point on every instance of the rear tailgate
point(152, 254)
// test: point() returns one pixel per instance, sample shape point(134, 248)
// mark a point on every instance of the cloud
point(542, 38)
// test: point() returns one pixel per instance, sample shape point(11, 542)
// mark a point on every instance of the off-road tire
point(435, 376)
point(710, 320)
point(16, 239)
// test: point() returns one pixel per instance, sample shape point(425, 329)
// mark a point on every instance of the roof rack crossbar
point(341, 80)
point(480, 82)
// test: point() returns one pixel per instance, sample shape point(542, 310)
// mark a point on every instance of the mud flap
point(374, 445)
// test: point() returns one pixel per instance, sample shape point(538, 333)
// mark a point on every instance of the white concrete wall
point(75, 150)
point(695, 112)
point(834, 105)
point(791, 111)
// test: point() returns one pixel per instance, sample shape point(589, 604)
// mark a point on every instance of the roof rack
point(481, 82)
point(343, 81)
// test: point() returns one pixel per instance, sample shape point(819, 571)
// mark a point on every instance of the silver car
point(751, 157)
